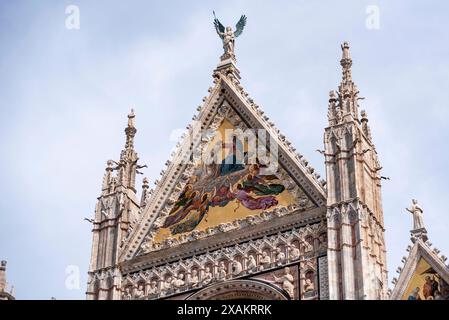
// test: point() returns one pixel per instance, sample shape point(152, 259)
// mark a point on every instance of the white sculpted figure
point(280, 256)
point(222, 271)
point(127, 294)
point(308, 285)
point(207, 276)
point(252, 264)
point(193, 278)
point(168, 283)
point(265, 260)
point(287, 282)
point(293, 252)
point(228, 36)
point(236, 267)
point(139, 292)
point(153, 288)
point(178, 282)
point(417, 213)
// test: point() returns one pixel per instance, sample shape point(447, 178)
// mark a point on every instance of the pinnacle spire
point(130, 130)
point(343, 105)
point(346, 63)
point(4, 294)
point(128, 157)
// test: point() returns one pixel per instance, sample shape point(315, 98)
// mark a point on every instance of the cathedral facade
point(238, 213)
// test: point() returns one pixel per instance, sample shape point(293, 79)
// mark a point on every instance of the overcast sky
point(65, 94)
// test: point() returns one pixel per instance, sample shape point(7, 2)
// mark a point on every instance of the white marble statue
point(308, 285)
point(139, 293)
point(293, 252)
point(265, 260)
point(252, 264)
point(127, 294)
point(168, 283)
point(280, 256)
point(153, 288)
point(287, 281)
point(237, 267)
point(417, 213)
point(207, 276)
point(193, 278)
point(222, 271)
point(178, 281)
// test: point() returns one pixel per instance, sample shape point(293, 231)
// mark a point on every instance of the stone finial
point(145, 192)
point(131, 117)
point(130, 130)
point(109, 164)
point(345, 50)
point(365, 127)
point(346, 63)
point(364, 116)
point(2, 277)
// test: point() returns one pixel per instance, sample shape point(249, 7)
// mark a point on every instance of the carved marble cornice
point(139, 273)
point(224, 239)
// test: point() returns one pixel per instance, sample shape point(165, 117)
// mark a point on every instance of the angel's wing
point(240, 26)
point(218, 26)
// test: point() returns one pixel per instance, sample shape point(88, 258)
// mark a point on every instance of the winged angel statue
point(228, 36)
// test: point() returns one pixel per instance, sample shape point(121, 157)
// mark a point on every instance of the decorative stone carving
point(265, 261)
point(280, 256)
point(237, 267)
point(231, 262)
point(193, 278)
point(222, 273)
point(207, 276)
point(152, 288)
point(228, 36)
point(179, 282)
point(286, 281)
point(308, 285)
point(293, 252)
point(167, 284)
point(417, 213)
point(127, 294)
point(139, 293)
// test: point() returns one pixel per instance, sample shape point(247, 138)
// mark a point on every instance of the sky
point(65, 94)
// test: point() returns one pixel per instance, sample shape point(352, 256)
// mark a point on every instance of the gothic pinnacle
point(346, 63)
point(130, 130)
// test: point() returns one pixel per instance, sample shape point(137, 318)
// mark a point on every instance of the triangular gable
point(424, 273)
point(227, 104)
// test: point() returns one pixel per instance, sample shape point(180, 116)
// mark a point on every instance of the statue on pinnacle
point(228, 36)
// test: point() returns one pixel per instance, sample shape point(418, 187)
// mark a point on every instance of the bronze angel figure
point(228, 36)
